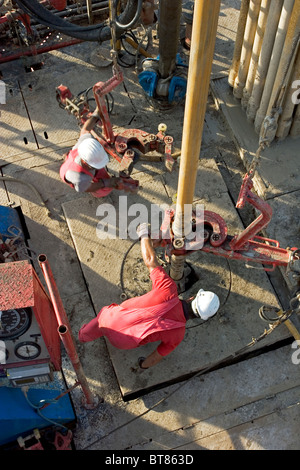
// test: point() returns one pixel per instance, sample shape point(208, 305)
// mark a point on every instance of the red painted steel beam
point(38, 50)
point(65, 332)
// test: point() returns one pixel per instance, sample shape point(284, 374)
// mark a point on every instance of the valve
point(172, 89)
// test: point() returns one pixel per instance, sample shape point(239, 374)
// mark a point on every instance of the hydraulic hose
point(124, 27)
point(98, 33)
point(40, 13)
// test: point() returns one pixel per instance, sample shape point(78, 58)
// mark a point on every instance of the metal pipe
point(65, 332)
point(71, 10)
point(44, 30)
point(257, 44)
point(250, 29)
point(39, 50)
point(99, 9)
point(89, 11)
point(205, 22)
point(94, 33)
point(67, 339)
point(286, 118)
point(137, 47)
point(238, 42)
point(168, 32)
point(274, 63)
point(286, 61)
point(264, 59)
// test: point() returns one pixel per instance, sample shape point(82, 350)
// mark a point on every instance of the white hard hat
point(92, 152)
point(205, 304)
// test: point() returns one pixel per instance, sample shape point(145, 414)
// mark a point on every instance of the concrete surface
point(252, 404)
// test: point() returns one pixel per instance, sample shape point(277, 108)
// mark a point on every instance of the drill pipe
point(168, 30)
point(205, 22)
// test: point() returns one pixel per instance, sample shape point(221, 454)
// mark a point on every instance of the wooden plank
point(257, 434)
point(215, 405)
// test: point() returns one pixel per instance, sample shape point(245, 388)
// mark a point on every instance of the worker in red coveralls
point(84, 167)
point(158, 315)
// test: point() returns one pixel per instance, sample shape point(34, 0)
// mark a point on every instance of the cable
point(124, 64)
point(262, 313)
point(46, 17)
point(122, 268)
point(230, 284)
point(43, 15)
point(17, 180)
point(131, 35)
point(110, 106)
point(98, 33)
point(217, 365)
point(40, 406)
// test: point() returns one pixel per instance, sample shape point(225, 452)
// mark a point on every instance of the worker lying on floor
point(158, 315)
point(84, 167)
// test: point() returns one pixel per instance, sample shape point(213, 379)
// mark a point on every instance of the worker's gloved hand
point(142, 230)
point(127, 184)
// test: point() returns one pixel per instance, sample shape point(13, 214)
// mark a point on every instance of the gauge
point(27, 350)
point(13, 323)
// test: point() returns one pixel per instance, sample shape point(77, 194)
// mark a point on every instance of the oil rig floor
point(251, 401)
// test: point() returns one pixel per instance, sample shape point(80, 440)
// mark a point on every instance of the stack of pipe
point(265, 71)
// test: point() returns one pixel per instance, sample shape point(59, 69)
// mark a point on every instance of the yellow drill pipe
point(238, 42)
point(286, 60)
point(205, 22)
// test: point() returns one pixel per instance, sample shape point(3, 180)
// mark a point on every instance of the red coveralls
point(126, 328)
point(155, 316)
point(70, 164)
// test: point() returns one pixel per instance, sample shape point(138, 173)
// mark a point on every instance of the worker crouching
point(158, 315)
point(84, 168)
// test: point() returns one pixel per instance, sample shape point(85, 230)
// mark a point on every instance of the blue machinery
point(172, 89)
point(32, 390)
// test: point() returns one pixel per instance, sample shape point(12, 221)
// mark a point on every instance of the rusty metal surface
point(16, 285)
point(21, 288)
